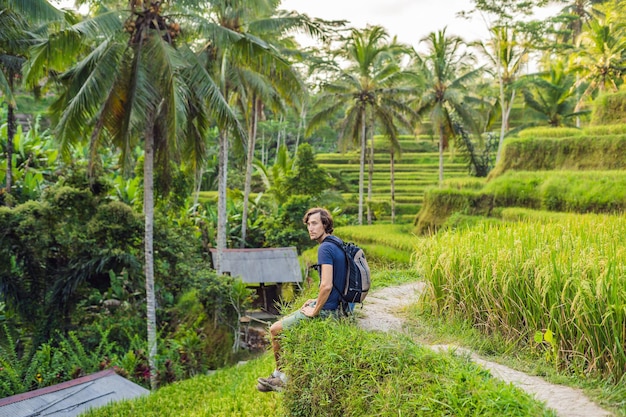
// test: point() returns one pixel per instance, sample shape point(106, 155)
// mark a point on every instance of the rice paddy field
point(558, 284)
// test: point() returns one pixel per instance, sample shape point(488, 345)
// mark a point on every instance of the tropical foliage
point(178, 127)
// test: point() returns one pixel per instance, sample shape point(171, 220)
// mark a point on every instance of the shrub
point(609, 109)
point(440, 203)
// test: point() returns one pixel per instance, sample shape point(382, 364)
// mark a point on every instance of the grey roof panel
point(71, 398)
point(264, 265)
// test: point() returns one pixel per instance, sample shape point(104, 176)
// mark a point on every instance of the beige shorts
point(294, 318)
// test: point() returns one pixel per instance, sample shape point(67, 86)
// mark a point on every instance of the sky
point(409, 20)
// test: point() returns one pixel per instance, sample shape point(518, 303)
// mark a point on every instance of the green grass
point(226, 393)
point(339, 369)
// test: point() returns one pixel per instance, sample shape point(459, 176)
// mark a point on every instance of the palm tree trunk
point(370, 175)
point(148, 208)
point(221, 199)
point(300, 127)
point(506, 113)
point(441, 137)
point(280, 122)
point(393, 186)
point(11, 129)
point(249, 159)
point(362, 166)
point(198, 186)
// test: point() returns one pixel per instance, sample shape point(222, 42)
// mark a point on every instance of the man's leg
point(275, 330)
point(277, 379)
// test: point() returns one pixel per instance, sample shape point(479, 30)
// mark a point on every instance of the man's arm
point(326, 286)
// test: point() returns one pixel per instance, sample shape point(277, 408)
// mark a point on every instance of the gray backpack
point(358, 274)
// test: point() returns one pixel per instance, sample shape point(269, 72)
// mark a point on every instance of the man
point(333, 268)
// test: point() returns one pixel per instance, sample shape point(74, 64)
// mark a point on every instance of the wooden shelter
point(270, 268)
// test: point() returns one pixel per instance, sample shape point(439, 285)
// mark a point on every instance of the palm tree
point(601, 56)
point(553, 96)
point(252, 72)
point(368, 92)
point(446, 71)
point(138, 83)
point(578, 12)
point(18, 21)
point(507, 55)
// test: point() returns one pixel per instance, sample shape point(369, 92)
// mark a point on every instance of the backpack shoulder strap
point(339, 242)
point(334, 239)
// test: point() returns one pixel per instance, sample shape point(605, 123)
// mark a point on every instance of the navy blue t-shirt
point(330, 254)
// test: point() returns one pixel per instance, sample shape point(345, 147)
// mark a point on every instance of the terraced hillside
point(549, 169)
point(415, 169)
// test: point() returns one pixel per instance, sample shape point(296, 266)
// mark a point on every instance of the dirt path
point(378, 313)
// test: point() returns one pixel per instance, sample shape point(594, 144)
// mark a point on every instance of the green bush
point(609, 109)
point(440, 203)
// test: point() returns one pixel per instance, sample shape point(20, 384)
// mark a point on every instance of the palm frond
point(87, 85)
point(38, 10)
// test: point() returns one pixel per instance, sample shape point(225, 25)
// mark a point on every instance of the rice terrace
point(151, 148)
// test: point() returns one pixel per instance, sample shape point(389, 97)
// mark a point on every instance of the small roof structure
point(263, 265)
point(71, 398)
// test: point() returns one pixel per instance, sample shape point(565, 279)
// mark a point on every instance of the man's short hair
point(327, 219)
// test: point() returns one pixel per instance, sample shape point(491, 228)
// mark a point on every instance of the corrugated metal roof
point(71, 398)
point(264, 265)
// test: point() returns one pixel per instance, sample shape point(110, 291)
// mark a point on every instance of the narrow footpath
point(378, 313)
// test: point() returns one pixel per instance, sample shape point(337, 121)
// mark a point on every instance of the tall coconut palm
point(602, 62)
point(446, 72)
point(137, 84)
point(578, 13)
point(18, 23)
point(368, 91)
point(506, 54)
point(252, 71)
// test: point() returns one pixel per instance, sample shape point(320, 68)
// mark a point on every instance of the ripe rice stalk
point(566, 275)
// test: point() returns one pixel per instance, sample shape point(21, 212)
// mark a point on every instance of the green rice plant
point(573, 191)
point(226, 392)
point(517, 188)
point(440, 203)
point(516, 214)
point(609, 108)
point(601, 130)
point(566, 275)
point(462, 183)
point(549, 132)
point(338, 369)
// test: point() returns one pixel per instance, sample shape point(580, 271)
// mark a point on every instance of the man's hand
point(308, 309)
